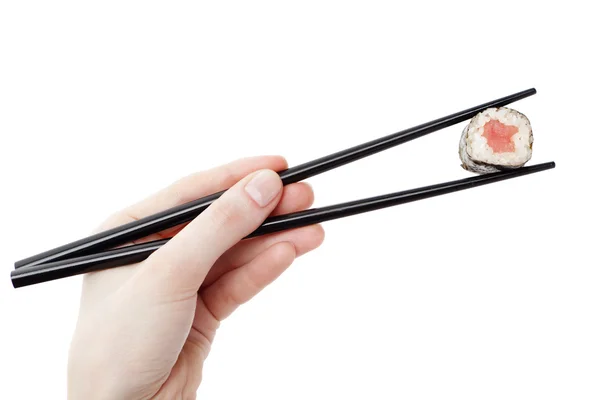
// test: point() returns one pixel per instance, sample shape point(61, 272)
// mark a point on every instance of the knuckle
point(224, 214)
point(228, 176)
point(179, 195)
point(244, 289)
point(183, 190)
point(233, 297)
point(115, 219)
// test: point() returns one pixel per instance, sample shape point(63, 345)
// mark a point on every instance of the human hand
point(144, 330)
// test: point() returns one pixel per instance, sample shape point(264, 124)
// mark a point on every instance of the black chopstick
point(186, 212)
point(127, 255)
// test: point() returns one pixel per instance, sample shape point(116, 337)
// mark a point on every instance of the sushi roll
point(496, 139)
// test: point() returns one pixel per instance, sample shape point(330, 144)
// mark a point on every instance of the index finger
point(195, 186)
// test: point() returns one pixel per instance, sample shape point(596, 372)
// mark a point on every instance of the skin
point(145, 330)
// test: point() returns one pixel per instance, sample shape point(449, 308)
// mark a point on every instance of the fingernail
point(264, 187)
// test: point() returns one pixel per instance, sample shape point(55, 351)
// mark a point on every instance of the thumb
point(180, 266)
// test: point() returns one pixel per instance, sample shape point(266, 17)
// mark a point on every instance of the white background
point(492, 293)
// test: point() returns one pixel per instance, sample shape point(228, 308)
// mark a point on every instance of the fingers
point(194, 187)
point(180, 266)
point(295, 197)
point(240, 285)
point(304, 240)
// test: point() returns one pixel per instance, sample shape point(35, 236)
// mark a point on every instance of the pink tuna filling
point(499, 136)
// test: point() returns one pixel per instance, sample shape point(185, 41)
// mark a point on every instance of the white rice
point(478, 156)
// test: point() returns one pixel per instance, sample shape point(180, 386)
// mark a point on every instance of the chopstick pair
point(94, 252)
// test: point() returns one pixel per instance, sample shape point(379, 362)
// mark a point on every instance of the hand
point(144, 330)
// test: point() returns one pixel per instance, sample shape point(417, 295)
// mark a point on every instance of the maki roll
point(496, 139)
